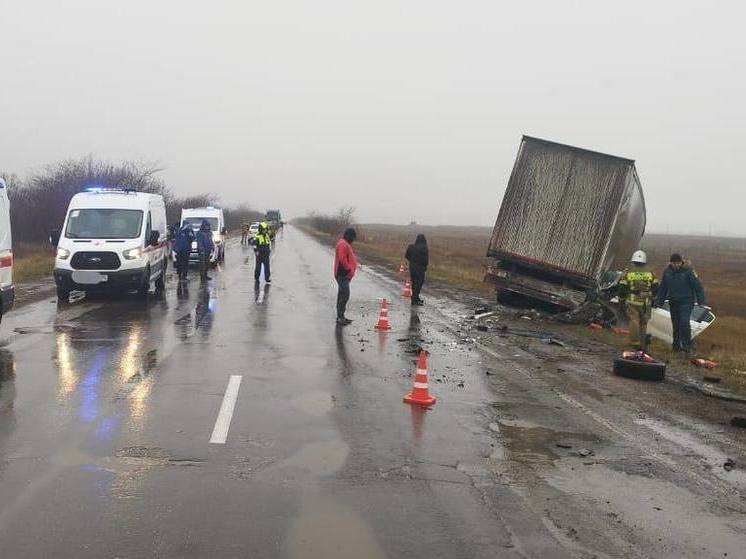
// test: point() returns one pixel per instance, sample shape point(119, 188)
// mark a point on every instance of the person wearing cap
point(637, 287)
point(182, 247)
point(262, 248)
point(345, 266)
point(682, 288)
point(205, 247)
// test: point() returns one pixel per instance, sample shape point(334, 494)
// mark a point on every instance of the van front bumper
point(7, 298)
point(116, 279)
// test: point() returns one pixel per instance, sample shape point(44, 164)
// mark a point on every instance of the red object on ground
point(706, 363)
point(595, 326)
point(638, 355)
point(622, 331)
point(343, 254)
point(407, 291)
point(383, 317)
point(420, 394)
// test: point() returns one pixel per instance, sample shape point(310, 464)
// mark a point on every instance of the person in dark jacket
point(345, 266)
point(183, 239)
point(262, 246)
point(418, 258)
point(681, 286)
point(205, 247)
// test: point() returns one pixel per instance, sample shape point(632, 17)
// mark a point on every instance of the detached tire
point(639, 370)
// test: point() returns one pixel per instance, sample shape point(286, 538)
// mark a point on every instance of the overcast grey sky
point(404, 109)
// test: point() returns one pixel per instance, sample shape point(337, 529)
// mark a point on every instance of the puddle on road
point(314, 403)
point(326, 530)
point(323, 458)
point(301, 363)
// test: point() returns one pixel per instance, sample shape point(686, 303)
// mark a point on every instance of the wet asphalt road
point(107, 408)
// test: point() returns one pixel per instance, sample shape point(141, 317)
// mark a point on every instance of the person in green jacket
point(681, 286)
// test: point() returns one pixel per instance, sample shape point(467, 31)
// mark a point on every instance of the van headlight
point(132, 254)
point(62, 253)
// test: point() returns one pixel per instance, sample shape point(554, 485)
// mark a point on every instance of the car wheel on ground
point(640, 370)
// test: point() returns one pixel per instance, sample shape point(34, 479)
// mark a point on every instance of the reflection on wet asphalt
point(107, 407)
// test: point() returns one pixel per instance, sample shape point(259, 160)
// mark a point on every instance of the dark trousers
point(204, 263)
point(343, 295)
point(418, 279)
point(681, 314)
point(262, 259)
point(182, 264)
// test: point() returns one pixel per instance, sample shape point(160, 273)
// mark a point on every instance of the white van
point(112, 239)
point(214, 216)
point(659, 324)
point(7, 291)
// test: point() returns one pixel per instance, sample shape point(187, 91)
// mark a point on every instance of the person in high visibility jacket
point(638, 285)
point(262, 246)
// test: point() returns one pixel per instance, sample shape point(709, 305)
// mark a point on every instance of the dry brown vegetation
point(458, 257)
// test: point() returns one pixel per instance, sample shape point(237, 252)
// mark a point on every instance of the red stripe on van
point(6, 261)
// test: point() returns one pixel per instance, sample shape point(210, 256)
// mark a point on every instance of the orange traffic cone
point(420, 394)
point(383, 317)
point(407, 291)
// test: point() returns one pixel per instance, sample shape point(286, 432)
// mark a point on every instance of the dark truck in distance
point(569, 219)
point(274, 219)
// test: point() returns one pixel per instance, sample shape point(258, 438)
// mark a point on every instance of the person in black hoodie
point(418, 258)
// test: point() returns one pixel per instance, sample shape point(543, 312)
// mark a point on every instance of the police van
point(216, 219)
point(112, 239)
point(7, 291)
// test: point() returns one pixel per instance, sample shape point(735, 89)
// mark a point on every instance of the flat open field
point(457, 256)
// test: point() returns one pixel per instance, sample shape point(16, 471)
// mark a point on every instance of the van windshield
point(196, 222)
point(100, 223)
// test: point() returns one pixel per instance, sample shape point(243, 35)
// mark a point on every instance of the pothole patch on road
point(143, 456)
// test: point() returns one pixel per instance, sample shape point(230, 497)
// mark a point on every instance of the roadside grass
point(458, 258)
point(32, 263)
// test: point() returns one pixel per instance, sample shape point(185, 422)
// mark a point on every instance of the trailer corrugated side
point(568, 214)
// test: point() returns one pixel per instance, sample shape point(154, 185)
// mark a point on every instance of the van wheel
point(144, 289)
point(160, 284)
point(63, 295)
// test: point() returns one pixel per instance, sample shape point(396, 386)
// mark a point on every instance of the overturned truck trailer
point(568, 219)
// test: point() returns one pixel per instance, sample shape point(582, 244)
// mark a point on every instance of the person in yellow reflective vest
point(262, 247)
point(637, 289)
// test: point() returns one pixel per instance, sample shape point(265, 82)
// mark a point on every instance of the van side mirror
point(54, 237)
point(154, 237)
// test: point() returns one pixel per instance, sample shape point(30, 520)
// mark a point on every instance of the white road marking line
point(223, 422)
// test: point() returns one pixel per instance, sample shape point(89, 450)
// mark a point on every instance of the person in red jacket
point(345, 266)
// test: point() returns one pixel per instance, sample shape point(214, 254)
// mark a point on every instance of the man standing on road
point(262, 248)
point(244, 233)
point(345, 266)
point(182, 247)
point(418, 258)
point(205, 247)
point(682, 288)
point(638, 285)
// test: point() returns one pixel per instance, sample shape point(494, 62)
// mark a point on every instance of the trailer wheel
point(640, 370)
